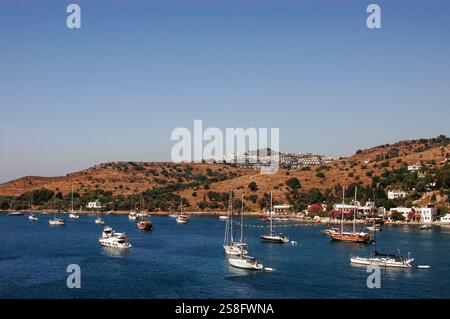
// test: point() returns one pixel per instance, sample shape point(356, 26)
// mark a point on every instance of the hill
point(204, 186)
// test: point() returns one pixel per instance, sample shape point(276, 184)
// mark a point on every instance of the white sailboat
point(32, 217)
point(99, 221)
point(56, 221)
point(182, 219)
point(245, 262)
point(229, 245)
point(273, 237)
point(383, 260)
point(132, 213)
point(242, 260)
point(72, 214)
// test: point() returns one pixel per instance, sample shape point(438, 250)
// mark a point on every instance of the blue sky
point(116, 88)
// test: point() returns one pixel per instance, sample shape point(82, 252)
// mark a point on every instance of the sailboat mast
point(271, 209)
point(242, 218)
point(354, 210)
point(342, 210)
point(72, 198)
point(231, 217)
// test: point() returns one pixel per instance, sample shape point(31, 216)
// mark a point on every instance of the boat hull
point(382, 262)
point(112, 244)
point(235, 249)
point(244, 263)
point(274, 239)
point(351, 238)
point(145, 226)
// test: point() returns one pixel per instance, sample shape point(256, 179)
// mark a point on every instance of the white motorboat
point(56, 222)
point(112, 239)
point(245, 262)
point(224, 217)
point(272, 237)
point(229, 245)
point(426, 227)
point(33, 217)
point(99, 221)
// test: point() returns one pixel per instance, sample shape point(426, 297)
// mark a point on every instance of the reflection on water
point(114, 252)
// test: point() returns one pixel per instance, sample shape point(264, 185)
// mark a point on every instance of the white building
point(420, 214)
point(281, 209)
point(405, 211)
point(445, 219)
point(368, 208)
point(396, 194)
point(414, 168)
point(94, 205)
point(428, 214)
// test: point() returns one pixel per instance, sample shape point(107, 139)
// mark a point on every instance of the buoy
point(293, 242)
point(269, 269)
point(424, 267)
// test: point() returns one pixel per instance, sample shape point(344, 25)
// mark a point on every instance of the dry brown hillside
point(128, 177)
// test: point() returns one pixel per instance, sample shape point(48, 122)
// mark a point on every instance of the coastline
point(288, 217)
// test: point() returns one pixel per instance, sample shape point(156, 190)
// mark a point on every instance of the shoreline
point(289, 217)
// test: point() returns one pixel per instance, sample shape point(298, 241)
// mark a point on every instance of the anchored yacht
point(112, 239)
point(272, 237)
point(245, 262)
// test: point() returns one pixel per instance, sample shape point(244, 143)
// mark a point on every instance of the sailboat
point(144, 223)
point(273, 237)
point(242, 260)
point(56, 221)
point(182, 219)
point(14, 213)
point(32, 217)
point(72, 214)
point(229, 245)
point(347, 236)
point(99, 221)
point(132, 213)
point(383, 260)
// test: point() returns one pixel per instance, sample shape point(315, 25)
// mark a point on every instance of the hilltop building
point(394, 194)
point(94, 205)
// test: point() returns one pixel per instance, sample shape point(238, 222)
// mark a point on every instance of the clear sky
point(116, 88)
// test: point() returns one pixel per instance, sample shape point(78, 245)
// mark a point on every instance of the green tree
point(293, 183)
point(253, 186)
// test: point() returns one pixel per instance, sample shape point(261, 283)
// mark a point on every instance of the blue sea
point(187, 261)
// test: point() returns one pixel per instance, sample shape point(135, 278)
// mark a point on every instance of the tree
point(253, 186)
point(320, 175)
point(293, 183)
point(396, 216)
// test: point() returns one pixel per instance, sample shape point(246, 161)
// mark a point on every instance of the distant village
point(256, 159)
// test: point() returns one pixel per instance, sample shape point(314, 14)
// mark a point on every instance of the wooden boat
point(347, 236)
